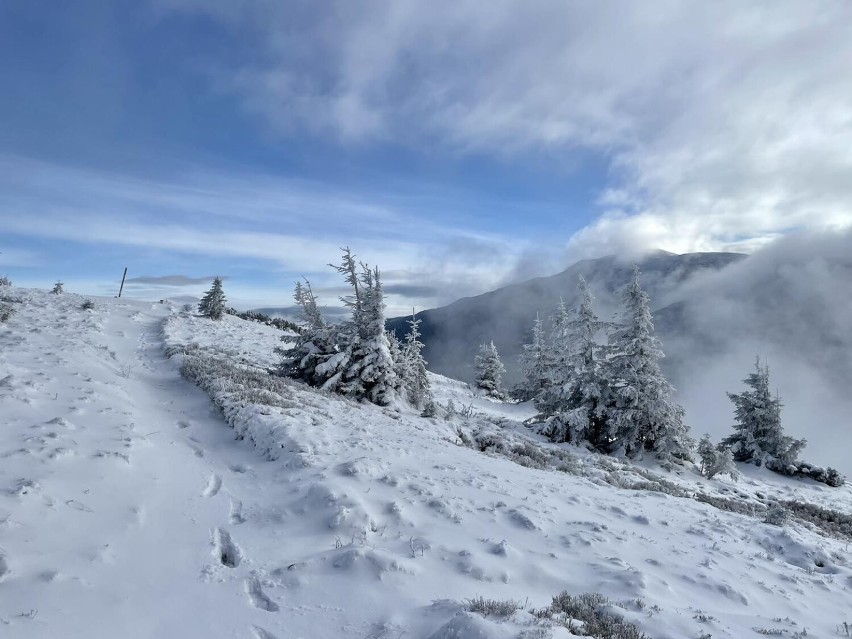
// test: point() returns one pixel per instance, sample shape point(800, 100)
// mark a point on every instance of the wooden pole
point(122, 281)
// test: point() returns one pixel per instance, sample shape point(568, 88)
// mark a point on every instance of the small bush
point(831, 522)
point(828, 476)
point(261, 318)
point(593, 610)
point(87, 305)
point(529, 455)
point(731, 505)
point(6, 311)
point(5, 281)
point(493, 607)
point(777, 515)
point(430, 409)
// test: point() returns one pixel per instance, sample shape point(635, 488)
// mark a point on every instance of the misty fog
point(789, 303)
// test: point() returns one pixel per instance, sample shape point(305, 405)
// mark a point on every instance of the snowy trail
point(114, 520)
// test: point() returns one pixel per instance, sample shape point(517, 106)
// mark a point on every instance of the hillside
point(453, 333)
point(135, 504)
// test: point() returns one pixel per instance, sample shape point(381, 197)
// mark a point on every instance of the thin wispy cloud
point(173, 280)
point(291, 229)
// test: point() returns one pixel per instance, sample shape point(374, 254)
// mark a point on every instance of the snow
point(129, 507)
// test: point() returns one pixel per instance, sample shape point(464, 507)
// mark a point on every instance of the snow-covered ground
point(129, 509)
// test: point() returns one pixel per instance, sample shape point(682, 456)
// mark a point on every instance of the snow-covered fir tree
point(212, 304)
point(706, 454)
point(716, 460)
point(641, 414)
point(370, 372)
point(399, 364)
point(358, 357)
point(489, 371)
point(758, 436)
point(5, 281)
point(578, 389)
point(315, 356)
point(58, 288)
point(414, 379)
point(556, 363)
point(534, 364)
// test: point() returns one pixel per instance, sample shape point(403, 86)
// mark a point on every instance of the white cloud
point(726, 124)
point(294, 227)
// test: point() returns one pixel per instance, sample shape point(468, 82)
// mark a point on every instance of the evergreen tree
point(348, 267)
point(399, 363)
point(489, 371)
point(415, 381)
point(58, 288)
point(577, 397)
point(212, 305)
point(556, 363)
point(725, 464)
point(370, 373)
point(716, 460)
point(706, 454)
point(642, 413)
point(534, 362)
point(315, 357)
point(758, 438)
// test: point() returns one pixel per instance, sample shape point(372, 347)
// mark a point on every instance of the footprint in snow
point(261, 633)
point(258, 598)
point(214, 484)
point(225, 550)
point(76, 505)
point(236, 516)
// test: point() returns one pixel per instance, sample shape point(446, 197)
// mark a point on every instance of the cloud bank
point(724, 125)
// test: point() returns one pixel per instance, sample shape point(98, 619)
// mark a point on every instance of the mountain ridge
point(458, 328)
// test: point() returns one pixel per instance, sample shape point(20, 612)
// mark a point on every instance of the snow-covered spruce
point(5, 281)
point(352, 358)
point(641, 412)
point(370, 374)
point(58, 288)
point(411, 368)
point(759, 438)
point(489, 371)
point(611, 396)
point(212, 305)
point(577, 387)
point(716, 460)
point(315, 355)
point(534, 360)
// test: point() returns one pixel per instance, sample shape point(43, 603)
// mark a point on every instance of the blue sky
point(459, 146)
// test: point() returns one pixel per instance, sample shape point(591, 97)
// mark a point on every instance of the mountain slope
point(453, 333)
point(128, 507)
